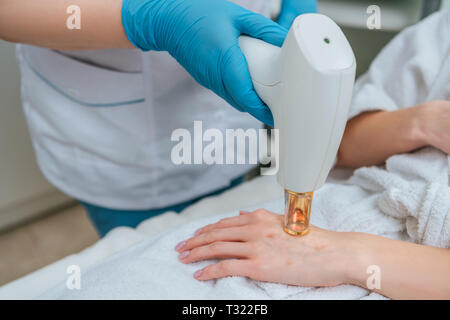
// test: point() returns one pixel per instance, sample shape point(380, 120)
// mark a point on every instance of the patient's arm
point(255, 245)
point(372, 137)
point(407, 270)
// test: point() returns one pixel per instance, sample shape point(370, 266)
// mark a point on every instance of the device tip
point(297, 212)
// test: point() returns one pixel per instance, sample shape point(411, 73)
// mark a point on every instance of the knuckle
point(206, 228)
point(189, 243)
point(194, 253)
point(207, 271)
point(208, 237)
point(261, 214)
point(224, 267)
point(258, 216)
point(259, 211)
point(223, 221)
point(216, 246)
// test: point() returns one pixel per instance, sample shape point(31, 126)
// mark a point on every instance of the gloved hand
point(202, 35)
point(290, 9)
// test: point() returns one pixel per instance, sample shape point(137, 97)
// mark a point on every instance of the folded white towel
point(415, 189)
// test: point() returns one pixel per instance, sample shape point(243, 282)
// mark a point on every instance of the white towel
point(414, 188)
point(151, 270)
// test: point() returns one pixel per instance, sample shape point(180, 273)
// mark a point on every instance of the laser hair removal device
point(307, 84)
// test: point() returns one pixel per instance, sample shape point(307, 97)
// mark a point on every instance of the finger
point(227, 234)
point(258, 26)
point(238, 86)
point(291, 9)
point(242, 212)
point(216, 250)
point(225, 268)
point(262, 113)
point(224, 223)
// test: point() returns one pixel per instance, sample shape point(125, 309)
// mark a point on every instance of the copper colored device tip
point(297, 212)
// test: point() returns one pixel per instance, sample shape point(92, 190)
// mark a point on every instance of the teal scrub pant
point(105, 219)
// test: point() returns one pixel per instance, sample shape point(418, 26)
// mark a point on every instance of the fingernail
point(197, 232)
point(180, 245)
point(184, 254)
point(198, 273)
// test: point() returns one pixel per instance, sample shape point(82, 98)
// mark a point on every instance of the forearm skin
point(372, 137)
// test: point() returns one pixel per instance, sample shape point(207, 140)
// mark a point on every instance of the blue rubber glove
point(290, 9)
point(202, 35)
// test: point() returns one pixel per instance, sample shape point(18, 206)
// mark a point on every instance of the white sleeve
point(404, 71)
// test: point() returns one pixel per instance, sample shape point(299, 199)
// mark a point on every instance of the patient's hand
point(372, 137)
point(254, 245)
point(435, 118)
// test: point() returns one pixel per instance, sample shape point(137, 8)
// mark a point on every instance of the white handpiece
point(307, 85)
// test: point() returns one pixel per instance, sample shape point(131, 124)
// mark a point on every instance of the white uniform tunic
point(101, 124)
